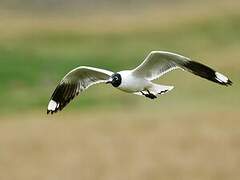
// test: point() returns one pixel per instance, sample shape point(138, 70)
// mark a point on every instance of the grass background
point(189, 133)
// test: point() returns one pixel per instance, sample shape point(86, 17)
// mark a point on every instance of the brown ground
point(121, 144)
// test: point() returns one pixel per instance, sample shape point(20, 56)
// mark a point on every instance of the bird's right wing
point(157, 63)
point(73, 83)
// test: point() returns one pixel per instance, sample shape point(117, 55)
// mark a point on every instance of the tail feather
point(157, 89)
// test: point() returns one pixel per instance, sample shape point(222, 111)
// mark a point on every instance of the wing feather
point(73, 83)
point(158, 63)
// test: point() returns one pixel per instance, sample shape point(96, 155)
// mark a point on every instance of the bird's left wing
point(73, 83)
point(157, 63)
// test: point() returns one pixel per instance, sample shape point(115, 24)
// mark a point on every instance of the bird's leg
point(148, 91)
point(149, 95)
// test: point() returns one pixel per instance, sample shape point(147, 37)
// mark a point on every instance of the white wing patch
point(221, 78)
point(158, 63)
point(52, 105)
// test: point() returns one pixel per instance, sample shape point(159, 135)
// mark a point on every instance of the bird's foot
point(149, 95)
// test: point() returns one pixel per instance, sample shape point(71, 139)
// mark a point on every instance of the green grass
point(32, 64)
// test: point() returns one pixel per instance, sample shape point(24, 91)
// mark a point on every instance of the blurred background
point(193, 132)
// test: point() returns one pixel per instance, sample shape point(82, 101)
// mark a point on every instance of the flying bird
point(136, 81)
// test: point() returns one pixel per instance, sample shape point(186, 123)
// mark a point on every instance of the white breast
point(131, 83)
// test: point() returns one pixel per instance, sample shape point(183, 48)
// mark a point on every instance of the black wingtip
point(229, 83)
point(207, 73)
point(50, 112)
point(62, 95)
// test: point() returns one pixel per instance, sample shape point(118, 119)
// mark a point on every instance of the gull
point(136, 81)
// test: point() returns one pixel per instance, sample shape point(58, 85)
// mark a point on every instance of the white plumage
point(136, 81)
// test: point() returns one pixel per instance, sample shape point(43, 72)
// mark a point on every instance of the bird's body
point(137, 81)
point(131, 83)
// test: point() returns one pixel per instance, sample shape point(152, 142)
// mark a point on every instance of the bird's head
point(115, 80)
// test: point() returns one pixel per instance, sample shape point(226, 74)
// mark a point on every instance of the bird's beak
point(109, 80)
